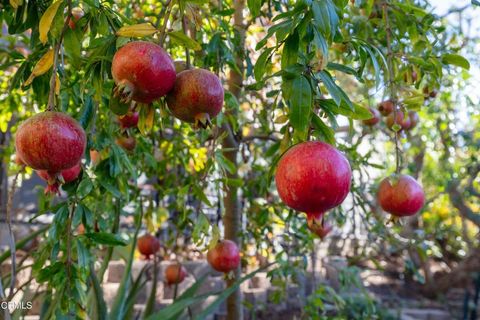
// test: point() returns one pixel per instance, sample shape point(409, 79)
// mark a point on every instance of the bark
point(233, 213)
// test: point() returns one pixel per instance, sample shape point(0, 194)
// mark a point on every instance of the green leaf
point(456, 60)
point(261, 64)
point(254, 7)
point(101, 305)
point(84, 187)
point(335, 91)
point(180, 38)
point(326, 133)
point(290, 50)
point(300, 104)
point(105, 238)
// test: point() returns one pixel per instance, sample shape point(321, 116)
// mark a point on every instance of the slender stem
point(69, 248)
point(165, 22)
point(56, 50)
point(391, 85)
point(187, 52)
point(13, 253)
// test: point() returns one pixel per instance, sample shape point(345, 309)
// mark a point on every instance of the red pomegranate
point(385, 107)
point(51, 141)
point(148, 245)
point(54, 181)
point(129, 120)
point(414, 119)
point(400, 195)
point(317, 224)
point(313, 177)
point(19, 160)
point(224, 257)
point(402, 121)
point(196, 97)
point(175, 273)
point(374, 119)
point(77, 14)
point(142, 71)
point(127, 143)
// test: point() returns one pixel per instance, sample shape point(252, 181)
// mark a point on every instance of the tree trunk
point(233, 212)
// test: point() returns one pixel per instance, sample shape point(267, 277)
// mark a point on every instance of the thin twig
point(187, 52)
point(391, 85)
point(58, 45)
point(165, 22)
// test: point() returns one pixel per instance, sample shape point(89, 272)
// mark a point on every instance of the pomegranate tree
point(142, 71)
point(374, 119)
point(313, 177)
point(148, 245)
point(50, 141)
point(196, 97)
point(175, 273)
point(65, 176)
point(400, 195)
point(317, 224)
point(224, 257)
point(129, 120)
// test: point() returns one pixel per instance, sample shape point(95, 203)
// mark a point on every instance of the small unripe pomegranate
point(374, 119)
point(196, 97)
point(77, 14)
point(400, 195)
point(385, 107)
point(51, 141)
point(130, 120)
point(148, 245)
point(317, 224)
point(54, 181)
point(224, 257)
point(142, 71)
point(127, 143)
point(175, 273)
point(414, 119)
point(313, 177)
point(401, 120)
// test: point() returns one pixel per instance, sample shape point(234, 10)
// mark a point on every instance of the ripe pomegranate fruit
point(374, 119)
point(414, 119)
point(77, 14)
point(51, 141)
point(400, 195)
point(148, 245)
point(196, 97)
point(313, 177)
point(175, 273)
point(385, 107)
point(142, 71)
point(317, 224)
point(54, 181)
point(129, 120)
point(127, 143)
point(402, 121)
point(224, 257)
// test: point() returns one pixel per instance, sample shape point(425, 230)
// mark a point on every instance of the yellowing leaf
point(46, 20)
point(145, 123)
point(57, 84)
point(42, 66)
point(281, 119)
point(16, 3)
point(137, 30)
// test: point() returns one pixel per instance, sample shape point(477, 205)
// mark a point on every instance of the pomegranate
point(51, 141)
point(127, 143)
point(19, 160)
point(142, 71)
point(175, 273)
point(77, 14)
point(400, 195)
point(129, 120)
point(148, 245)
point(385, 107)
point(313, 177)
point(317, 224)
point(374, 119)
point(414, 119)
point(54, 181)
point(402, 121)
point(224, 257)
point(196, 97)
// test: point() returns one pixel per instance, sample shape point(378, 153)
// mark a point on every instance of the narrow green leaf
point(326, 133)
point(261, 64)
point(290, 50)
point(105, 238)
point(300, 104)
point(180, 38)
point(456, 60)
